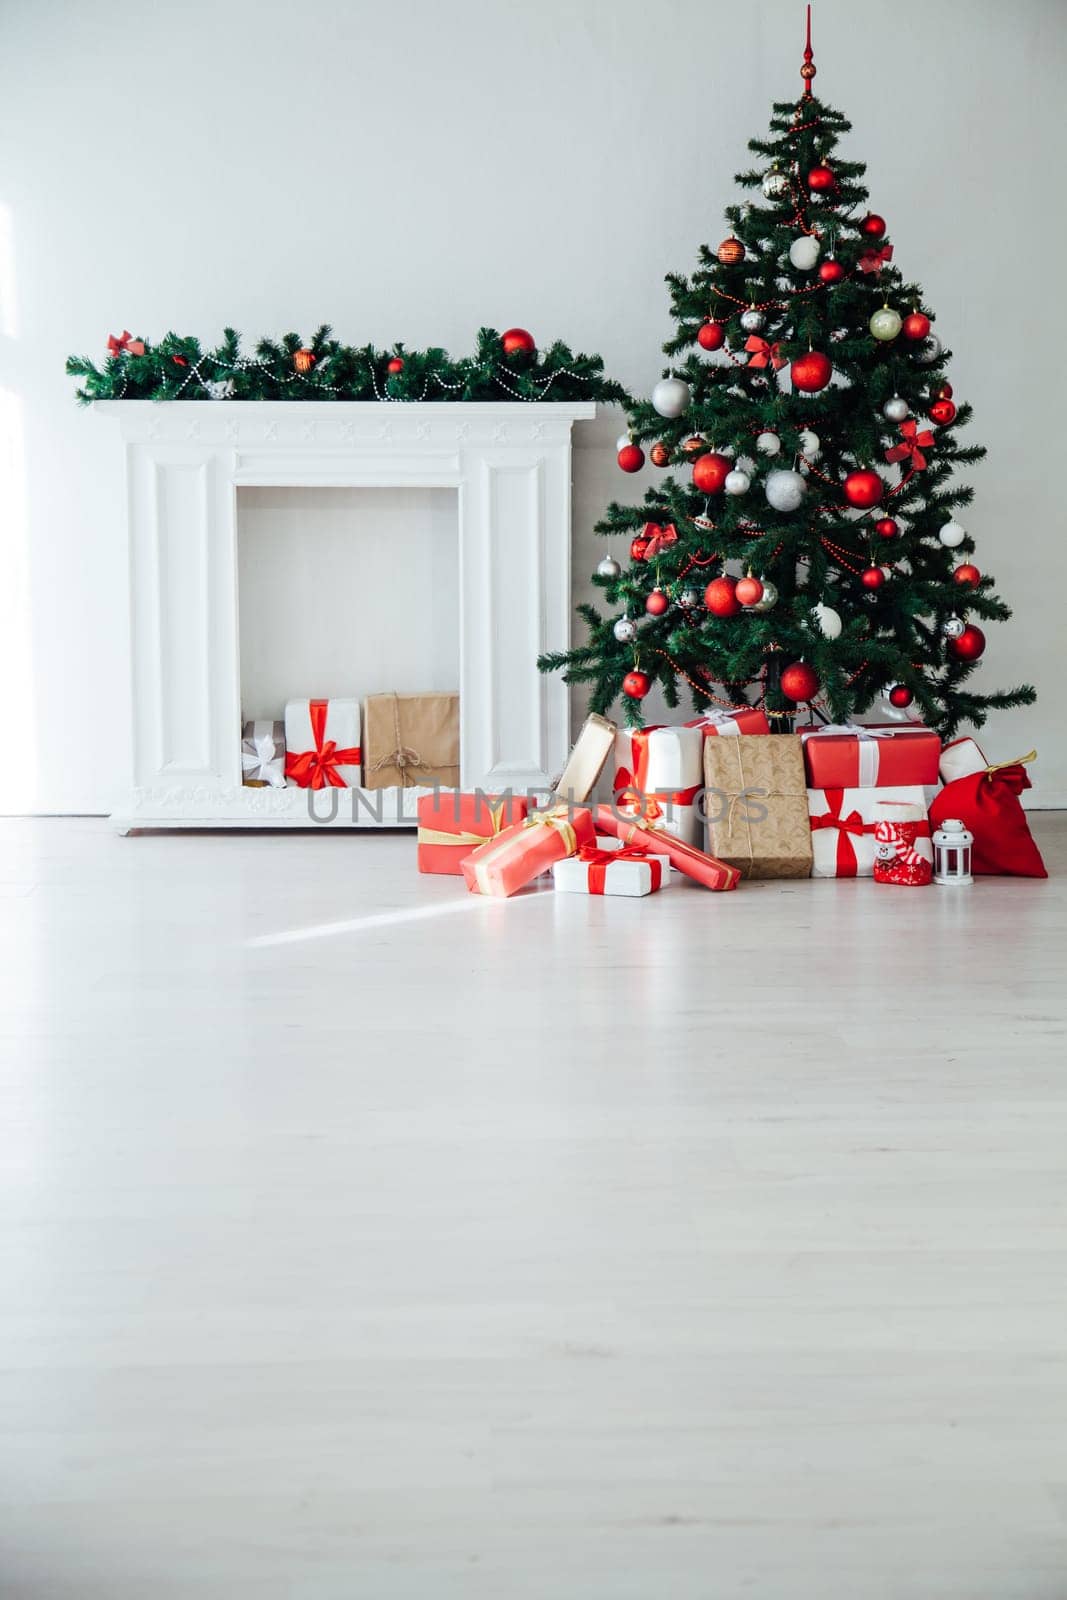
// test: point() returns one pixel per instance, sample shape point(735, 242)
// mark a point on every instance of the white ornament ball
point(745, 464)
point(885, 324)
point(770, 597)
point(737, 482)
point(608, 568)
point(752, 320)
point(768, 444)
point(625, 630)
point(828, 620)
point(952, 535)
point(804, 252)
point(895, 409)
point(929, 351)
point(622, 441)
point(952, 627)
point(670, 397)
point(810, 443)
point(775, 183)
point(785, 489)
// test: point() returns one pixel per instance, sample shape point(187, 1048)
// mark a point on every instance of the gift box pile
point(390, 740)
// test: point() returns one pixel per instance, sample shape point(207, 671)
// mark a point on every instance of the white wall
point(411, 171)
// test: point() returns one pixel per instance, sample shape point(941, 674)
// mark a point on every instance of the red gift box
point(696, 864)
point(452, 824)
point(746, 719)
point(881, 756)
point(521, 853)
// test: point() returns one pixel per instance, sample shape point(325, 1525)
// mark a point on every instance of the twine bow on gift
point(317, 769)
point(875, 260)
point(125, 342)
point(911, 446)
point(659, 538)
point(744, 791)
point(764, 354)
point(403, 757)
point(599, 861)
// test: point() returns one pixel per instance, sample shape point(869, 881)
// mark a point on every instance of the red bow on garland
point(132, 346)
point(764, 354)
point(911, 449)
point(659, 538)
point(875, 260)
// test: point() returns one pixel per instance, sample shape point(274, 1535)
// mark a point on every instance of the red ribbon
point(909, 449)
point(847, 827)
point(126, 341)
point(658, 537)
point(599, 861)
point(875, 260)
point(764, 354)
point(630, 792)
point(315, 769)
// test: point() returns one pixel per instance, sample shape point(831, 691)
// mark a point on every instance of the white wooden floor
point(360, 1240)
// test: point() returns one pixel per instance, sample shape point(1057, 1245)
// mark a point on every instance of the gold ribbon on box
point(472, 840)
point(557, 817)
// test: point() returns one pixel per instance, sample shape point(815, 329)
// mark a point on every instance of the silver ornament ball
point(951, 535)
point(929, 351)
point(688, 599)
point(895, 409)
point(784, 489)
point(608, 568)
point(737, 482)
point(952, 627)
point(769, 598)
point(774, 184)
point(625, 630)
point(670, 397)
point(752, 320)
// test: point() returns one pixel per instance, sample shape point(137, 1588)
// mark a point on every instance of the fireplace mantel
point(511, 467)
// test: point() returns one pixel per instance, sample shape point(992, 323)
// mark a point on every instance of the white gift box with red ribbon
point(322, 747)
point(659, 775)
point(961, 759)
point(843, 823)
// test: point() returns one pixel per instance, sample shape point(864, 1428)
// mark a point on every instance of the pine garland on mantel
point(177, 368)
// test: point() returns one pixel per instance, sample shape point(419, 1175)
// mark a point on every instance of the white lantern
point(952, 852)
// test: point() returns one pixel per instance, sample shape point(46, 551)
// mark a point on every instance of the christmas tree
point(806, 547)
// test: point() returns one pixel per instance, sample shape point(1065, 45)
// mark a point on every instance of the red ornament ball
point(969, 645)
point(872, 578)
point(886, 528)
point(395, 366)
point(799, 681)
point(821, 179)
point(873, 226)
point(638, 546)
point(657, 603)
point(811, 372)
point(712, 336)
point(636, 685)
point(966, 575)
point(303, 360)
point(749, 591)
point(863, 488)
point(660, 455)
point(710, 471)
point(631, 458)
point(720, 597)
point(900, 696)
point(915, 326)
point(516, 341)
point(942, 412)
point(831, 270)
point(945, 392)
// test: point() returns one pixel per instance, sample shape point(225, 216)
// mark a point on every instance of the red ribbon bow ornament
point(875, 260)
point(126, 341)
point(659, 538)
point(315, 769)
point(912, 446)
point(764, 354)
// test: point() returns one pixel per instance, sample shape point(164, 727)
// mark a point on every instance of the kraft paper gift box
point(587, 760)
point(756, 805)
point(843, 823)
point(745, 719)
point(411, 740)
point(658, 775)
point(962, 758)
point(882, 755)
point(452, 824)
point(263, 755)
point(653, 836)
point(322, 744)
point(521, 853)
point(623, 870)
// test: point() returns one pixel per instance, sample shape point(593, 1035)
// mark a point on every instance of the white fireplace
point(192, 532)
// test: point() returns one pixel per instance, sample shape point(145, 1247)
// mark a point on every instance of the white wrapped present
point(659, 774)
point(843, 823)
point(322, 744)
point(263, 755)
point(960, 759)
point(613, 869)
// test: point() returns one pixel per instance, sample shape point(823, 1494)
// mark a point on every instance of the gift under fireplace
point(214, 485)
